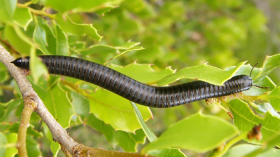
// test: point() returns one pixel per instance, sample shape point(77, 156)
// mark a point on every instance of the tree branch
point(58, 132)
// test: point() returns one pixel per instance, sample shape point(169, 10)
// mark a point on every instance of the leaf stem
point(150, 135)
point(38, 12)
point(221, 106)
point(23, 36)
point(70, 85)
point(10, 145)
point(121, 53)
point(27, 3)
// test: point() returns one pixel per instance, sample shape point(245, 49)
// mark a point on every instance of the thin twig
point(29, 106)
point(37, 12)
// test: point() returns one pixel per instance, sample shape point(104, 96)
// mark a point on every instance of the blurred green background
point(179, 34)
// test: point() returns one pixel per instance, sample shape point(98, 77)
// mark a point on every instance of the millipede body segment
point(152, 96)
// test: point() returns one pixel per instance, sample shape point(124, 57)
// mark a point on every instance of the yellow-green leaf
point(116, 111)
point(77, 29)
point(245, 119)
point(7, 9)
point(22, 17)
point(16, 41)
point(203, 72)
point(195, 133)
point(80, 6)
point(61, 42)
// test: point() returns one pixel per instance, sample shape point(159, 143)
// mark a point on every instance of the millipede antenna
point(253, 68)
point(261, 87)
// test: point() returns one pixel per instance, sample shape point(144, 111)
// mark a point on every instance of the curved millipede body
point(152, 96)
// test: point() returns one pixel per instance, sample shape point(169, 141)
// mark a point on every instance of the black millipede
point(147, 95)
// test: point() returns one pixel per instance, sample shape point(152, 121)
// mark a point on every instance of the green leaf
point(7, 108)
point(117, 137)
point(116, 111)
point(80, 104)
point(11, 139)
point(270, 63)
point(2, 67)
point(265, 107)
point(54, 146)
point(129, 141)
point(143, 72)
point(39, 37)
point(273, 140)
point(152, 137)
point(22, 17)
point(4, 127)
point(7, 9)
point(59, 105)
point(167, 152)
point(245, 120)
point(202, 72)
point(80, 6)
point(77, 29)
point(190, 133)
point(108, 49)
point(4, 76)
point(98, 49)
point(61, 42)
point(244, 149)
point(274, 98)
point(136, 48)
point(17, 42)
point(30, 130)
point(51, 40)
point(32, 147)
point(3, 142)
point(100, 126)
point(76, 46)
point(40, 87)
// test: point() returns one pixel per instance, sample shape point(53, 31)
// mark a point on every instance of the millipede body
point(152, 96)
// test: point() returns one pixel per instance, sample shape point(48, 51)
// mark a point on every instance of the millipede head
point(21, 63)
point(17, 62)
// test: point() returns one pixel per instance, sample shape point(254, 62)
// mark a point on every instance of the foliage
point(163, 33)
